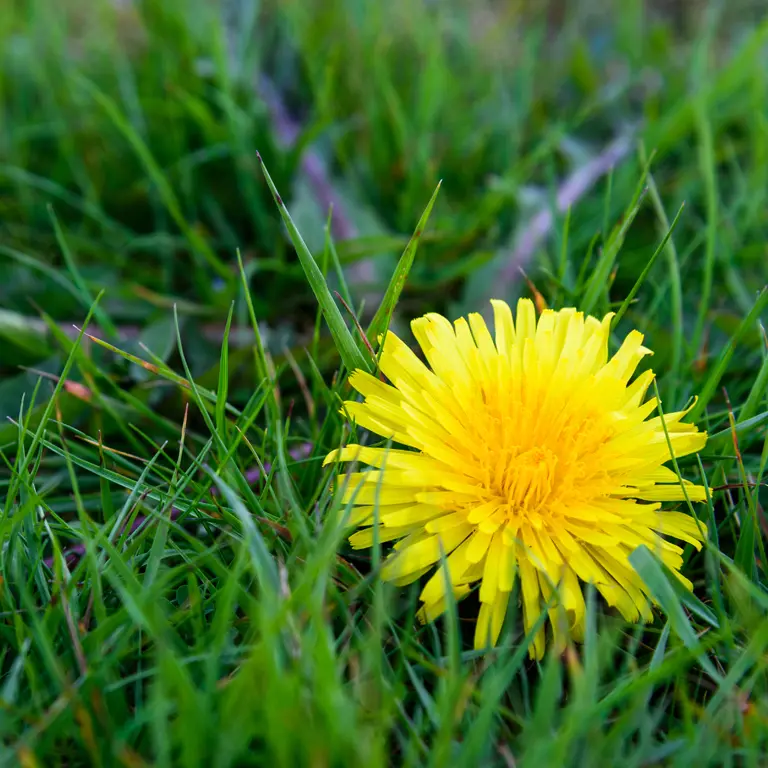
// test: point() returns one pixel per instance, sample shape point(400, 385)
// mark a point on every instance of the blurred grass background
point(128, 140)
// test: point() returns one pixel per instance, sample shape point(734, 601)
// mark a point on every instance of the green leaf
point(745, 547)
point(85, 294)
point(497, 681)
point(223, 389)
point(707, 165)
point(675, 284)
point(651, 572)
point(196, 241)
point(710, 385)
point(602, 270)
point(757, 395)
point(27, 333)
point(383, 315)
point(264, 566)
point(724, 438)
point(649, 265)
point(39, 433)
point(350, 353)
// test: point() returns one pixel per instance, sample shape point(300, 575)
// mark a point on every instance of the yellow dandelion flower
point(530, 456)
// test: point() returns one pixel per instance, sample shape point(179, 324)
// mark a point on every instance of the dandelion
point(528, 457)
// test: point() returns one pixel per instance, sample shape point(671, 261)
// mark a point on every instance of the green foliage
point(175, 587)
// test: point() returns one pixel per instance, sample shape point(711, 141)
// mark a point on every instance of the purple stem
point(287, 130)
point(570, 192)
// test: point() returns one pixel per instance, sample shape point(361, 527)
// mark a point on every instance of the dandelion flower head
point(528, 456)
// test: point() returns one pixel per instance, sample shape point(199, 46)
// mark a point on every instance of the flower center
point(527, 480)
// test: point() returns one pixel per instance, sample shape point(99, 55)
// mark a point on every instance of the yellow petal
point(424, 553)
point(504, 326)
point(491, 571)
point(478, 547)
point(431, 611)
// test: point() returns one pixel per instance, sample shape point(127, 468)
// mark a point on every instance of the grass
point(175, 587)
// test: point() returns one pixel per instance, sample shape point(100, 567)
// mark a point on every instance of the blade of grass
point(653, 576)
point(263, 563)
point(602, 271)
point(674, 281)
point(53, 189)
point(707, 168)
point(348, 349)
point(646, 269)
point(383, 315)
point(712, 381)
point(197, 242)
point(497, 680)
point(160, 369)
point(37, 438)
point(757, 394)
point(330, 251)
point(101, 316)
point(722, 439)
point(223, 388)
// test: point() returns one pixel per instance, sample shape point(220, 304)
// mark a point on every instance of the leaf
point(744, 556)
point(27, 333)
point(198, 244)
point(38, 435)
point(650, 571)
point(223, 389)
point(383, 315)
point(757, 394)
point(602, 270)
point(641, 279)
point(264, 566)
point(710, 385)
point(350, 353)
point(724, 438)
point(85, 294)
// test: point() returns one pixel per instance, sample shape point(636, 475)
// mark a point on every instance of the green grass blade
point(650, 571)
point(707, 168)
point(101, 316)
point(223, 389)
point(381, 319)
point(37, 438)
point(757, 394)
point(675, 282)
point(724, 438)
point(263, 563)
point(602, 271)
point(198, 244)
point(348, 349)
point(646, 269)
point(710, 385)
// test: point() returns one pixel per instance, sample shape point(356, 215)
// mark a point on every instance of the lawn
point(209, 212)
